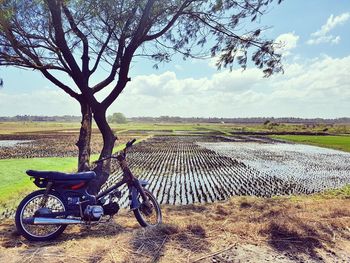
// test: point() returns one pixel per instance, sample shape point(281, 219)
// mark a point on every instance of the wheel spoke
point(53, 203)
point(153, 218)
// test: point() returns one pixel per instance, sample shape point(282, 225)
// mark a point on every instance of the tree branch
point(115, 67)
point(139, 34)
point(62, 44)
point(77, 31)
point(60, 84)
point(99, 55)
point(170, 24)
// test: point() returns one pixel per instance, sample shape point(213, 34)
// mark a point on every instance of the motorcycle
point(64, 200)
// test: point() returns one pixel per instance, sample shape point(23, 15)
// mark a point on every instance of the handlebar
point(128, 145)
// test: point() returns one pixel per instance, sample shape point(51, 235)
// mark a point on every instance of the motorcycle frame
point(135, 187)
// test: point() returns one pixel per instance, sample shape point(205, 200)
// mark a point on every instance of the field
point(334, 142)
point(184, 163)
point(201, 169)
point(223, 169)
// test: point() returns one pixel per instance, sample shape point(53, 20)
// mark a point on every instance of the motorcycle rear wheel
point(27, 208)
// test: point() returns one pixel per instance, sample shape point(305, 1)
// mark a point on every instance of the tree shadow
point(151, 242)
point(195, 208)
point(294, 238)
point(9, 237)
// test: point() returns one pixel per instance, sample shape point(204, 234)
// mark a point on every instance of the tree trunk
point(103, 169)
point(84, 142)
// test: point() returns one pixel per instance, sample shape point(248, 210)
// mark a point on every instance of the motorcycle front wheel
point(145, 217)
point(27, 209)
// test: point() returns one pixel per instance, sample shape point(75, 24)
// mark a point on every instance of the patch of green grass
point(335, 142)
point(337, 193)
point(341, 193)
point(15, 183)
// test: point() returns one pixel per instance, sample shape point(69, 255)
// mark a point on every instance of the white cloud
point(287, 42)
point(45, 101)
point(323, 36)
point(316, 88)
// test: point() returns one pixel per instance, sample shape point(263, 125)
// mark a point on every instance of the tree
point(75, 37)
point(117, 117)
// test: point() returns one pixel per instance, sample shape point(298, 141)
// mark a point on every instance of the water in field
point(12, 143)
point(315, 168)
point(200, 169)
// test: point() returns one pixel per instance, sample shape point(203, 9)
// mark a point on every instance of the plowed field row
point(179, 171)
point(310, 168)
point(50, 144)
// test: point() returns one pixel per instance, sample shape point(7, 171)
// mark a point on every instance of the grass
point(15, 184)
point(28, 127)
point(308, 230)
point(224, 128)
point(342, 193)
point(14, 181)
point(340, 142)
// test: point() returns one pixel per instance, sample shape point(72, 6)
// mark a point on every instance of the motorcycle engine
point(111, 208)
point(93, 212)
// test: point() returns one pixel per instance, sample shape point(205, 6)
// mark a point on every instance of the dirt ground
point(242, 229)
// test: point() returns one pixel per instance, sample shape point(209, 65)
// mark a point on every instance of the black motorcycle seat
point(58, 176)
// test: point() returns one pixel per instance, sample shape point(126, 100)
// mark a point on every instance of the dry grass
point(306, 229)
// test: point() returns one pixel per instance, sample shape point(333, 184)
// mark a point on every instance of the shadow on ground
point(296, 245)
point(9, 237)
point(151, 242)
point(301, 237)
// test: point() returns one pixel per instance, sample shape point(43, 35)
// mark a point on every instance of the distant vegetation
point(117, 117)
point(333, 142)
point(169, 119)
point(65, 118)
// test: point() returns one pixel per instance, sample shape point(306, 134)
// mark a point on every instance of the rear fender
point(39, 182)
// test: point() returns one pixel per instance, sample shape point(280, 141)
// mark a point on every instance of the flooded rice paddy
point(310, 167)
point(199, 169)
point(13, 143)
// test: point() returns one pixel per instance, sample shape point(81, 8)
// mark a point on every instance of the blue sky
point(316, 82)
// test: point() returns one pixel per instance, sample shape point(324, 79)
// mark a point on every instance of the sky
point(315, 83)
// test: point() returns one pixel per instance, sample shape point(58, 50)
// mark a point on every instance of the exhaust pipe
point(51, 221)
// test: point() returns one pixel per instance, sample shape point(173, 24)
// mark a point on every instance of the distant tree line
point(256, 120)
point(21, 118)
point(120, 118)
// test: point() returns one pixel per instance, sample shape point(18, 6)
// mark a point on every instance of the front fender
point(143, 183)
point(134, 193)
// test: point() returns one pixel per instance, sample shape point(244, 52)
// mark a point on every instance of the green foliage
point(16, 184)
point(117, 117)
point(335, 142)
point(343, 192)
